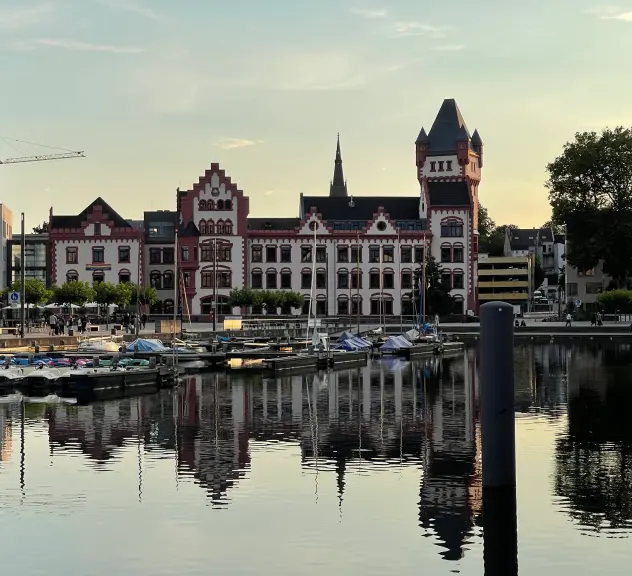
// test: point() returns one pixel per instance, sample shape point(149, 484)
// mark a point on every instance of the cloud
point(85, 46)
point(624, 16)
point(125, 6)
point(268, 193)
point(235, 143)
point(610, 13)
point(20, 18)
point(369, 13)
point(401, 29)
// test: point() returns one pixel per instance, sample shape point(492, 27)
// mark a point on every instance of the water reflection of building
point(98, 429)
point(6, 437)
point(594, 459)
point(450, 489)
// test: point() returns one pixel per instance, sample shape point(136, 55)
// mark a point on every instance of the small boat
point(98, 346)
point(41, 378)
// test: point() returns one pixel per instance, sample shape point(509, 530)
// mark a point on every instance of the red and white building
point(95, 245)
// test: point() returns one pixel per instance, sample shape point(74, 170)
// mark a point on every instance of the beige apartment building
point(505, 278)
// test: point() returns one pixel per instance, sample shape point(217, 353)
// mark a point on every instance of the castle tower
point(449, 161)
point(338, 186)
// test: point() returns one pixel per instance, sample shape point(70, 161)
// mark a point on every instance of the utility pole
point(22, 287)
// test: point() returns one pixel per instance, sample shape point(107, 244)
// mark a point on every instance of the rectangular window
point(356, 279)
point(321, 254)
point(356, 254)
point(224, 254)
point(207, 279)
point(572, 289)
point(446, 254)
point(452, 229)
point(124, 254)
point(321, 279)
point(167, 255)
point(448, 165)
point(186, 279)
point(374, 254)
point(356, 307)
point(306, 253)
point(407, 254)
point(343, 254)
point(433, 166)
point(72, 255)
point(388, 280)
point(271, 253)
point(321, 308)
point(407, 280)
point(286, 280)
point(154, 256)
point(446, 279)
point(343, 280)
point(271, 280)
point(257, 280)
point(306, 280)
point(224, 280)
point(419, 254)
point(97, 229)
point(457, 254)
point(343, 307)
point(185, 253)
point(167, 282)
point(388, 254)
point(457, 281)
point(257, 254)
point(440, 165)
point(206, 253)
point(286, 253)
point(594, 288)
point(98, 255)
point(374, 280)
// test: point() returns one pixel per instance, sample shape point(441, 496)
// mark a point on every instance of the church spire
point(338, 186)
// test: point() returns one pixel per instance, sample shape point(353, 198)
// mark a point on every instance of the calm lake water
point(369, 471)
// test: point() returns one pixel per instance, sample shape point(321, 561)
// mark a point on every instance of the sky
point(154, 91)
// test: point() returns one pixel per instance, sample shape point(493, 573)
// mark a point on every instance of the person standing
point(569, 320)
point(52, 324)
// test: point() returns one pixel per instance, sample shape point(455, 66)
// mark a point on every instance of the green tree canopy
point(41, 229)
point(590, 191)
point(74, 292)
point(246, 297)
point(145, 295)
point(35, 291)
point(438, 298)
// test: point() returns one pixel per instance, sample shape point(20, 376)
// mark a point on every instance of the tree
point(538, 274)
point(486, 228)
point(590, 191)
point(106, 294)
point(246, 298)
point(35, 292)
point(438, 298)
point(616, 301)
point(42, 229)
point(557, 228)
point(497, 239)
point(74, 292)
point(145, 295)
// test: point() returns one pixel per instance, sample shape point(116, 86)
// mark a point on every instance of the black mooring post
point(500, 532)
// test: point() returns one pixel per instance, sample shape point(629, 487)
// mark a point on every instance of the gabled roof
point(525, 238)
point(75, 221)
point(362, 207)
point(445, 193)
point(447, 128)
point(188, 230)
point(273, 223)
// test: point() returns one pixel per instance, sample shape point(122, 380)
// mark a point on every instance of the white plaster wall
point(436, 216)
point(456, 169)
point(85, 258)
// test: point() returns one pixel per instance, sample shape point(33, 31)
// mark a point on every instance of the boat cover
point(395, 343)
point(147, 345)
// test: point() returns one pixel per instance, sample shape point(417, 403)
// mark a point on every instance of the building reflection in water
point(389, 414)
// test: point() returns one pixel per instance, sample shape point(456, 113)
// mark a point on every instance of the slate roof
point(273, 223)
point(444, 193)
point(338, 185)
point(362, 207)
point(447, 128)
point(188, 230)
point(525, 238)
point(75, 221)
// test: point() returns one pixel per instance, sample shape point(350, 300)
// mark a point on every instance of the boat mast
point(311, 292)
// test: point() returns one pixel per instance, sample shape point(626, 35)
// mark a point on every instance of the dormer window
point(448, 165)
point(433, 166)
point(97, 229)
point(440, 165)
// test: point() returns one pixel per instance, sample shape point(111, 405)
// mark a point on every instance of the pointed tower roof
point(338, 187)
point(476, 139)
point(423, 137)
point(448, 127)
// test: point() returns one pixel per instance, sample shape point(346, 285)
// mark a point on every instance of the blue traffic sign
point(14, 297)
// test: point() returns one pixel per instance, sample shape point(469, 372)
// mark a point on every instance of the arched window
point(220, 204)
point(228, 205)
point(124, 276)
point(71, 276)
point(155, 279)
point(343, 305)
point(228, 227)
point(446, 279)
point(452, 228)
point(98, 276)
point(167, 306)
point(219, 229)
point(202, 205)
point(210, 227)
point(202, 227)
point(167, 280)
point(210, 205)
point(458, 279)
point(458, 304)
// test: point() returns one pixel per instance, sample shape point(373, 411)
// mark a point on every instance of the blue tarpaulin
point(345, 336)
point(147, 345)
point(395, 343)
point(353, 343)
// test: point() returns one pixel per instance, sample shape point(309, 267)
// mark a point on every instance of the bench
point(12, 331)
point(93, 328)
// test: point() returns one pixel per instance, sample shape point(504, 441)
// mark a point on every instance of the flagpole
point(423, 286)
